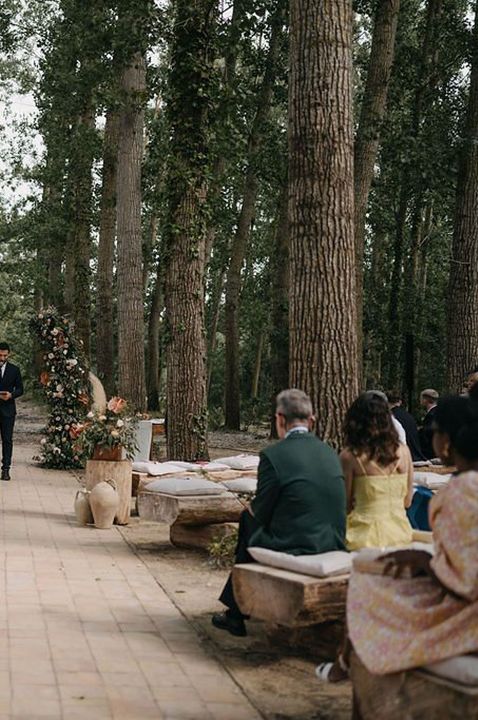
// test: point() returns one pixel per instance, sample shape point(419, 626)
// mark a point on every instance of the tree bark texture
point(279, 335)
point(153, 359)
point(368, 134)
point(106, 251)
point(323, 319)
point(246, 216)
point(81, 165)
point(462, 325)
point(131, 367)
point(185, 235)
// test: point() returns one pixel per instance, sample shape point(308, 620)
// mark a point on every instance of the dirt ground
point(280, 685)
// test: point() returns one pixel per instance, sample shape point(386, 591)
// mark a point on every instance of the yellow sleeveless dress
point(378, 518)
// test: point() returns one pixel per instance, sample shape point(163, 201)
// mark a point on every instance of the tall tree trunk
point(412, 180)
point(279, 336)
point(214, 312)
point(462, 325)
point(246, 217)
point(131, 367)
point(185, 236)
point(81, 166)
point(153, 364)
point(106, 250)
point(368, 134)
point(323, 320)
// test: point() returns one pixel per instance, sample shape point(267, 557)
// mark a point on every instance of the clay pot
point(82, 508)
point(105, 452)
point(104, 501)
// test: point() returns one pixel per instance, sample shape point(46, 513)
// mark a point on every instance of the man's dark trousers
point(247, 526)
point(6, 430)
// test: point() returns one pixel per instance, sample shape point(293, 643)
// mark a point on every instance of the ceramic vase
point(104, 501)
point(105, 452)
point(82, 508)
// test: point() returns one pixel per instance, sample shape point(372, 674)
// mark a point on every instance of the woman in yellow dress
point(378, 472)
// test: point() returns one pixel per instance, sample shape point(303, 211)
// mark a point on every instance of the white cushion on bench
point(185, 486)
point(241, 485)
point(430, 480)
point(213, 467)
point(240, 462)
point(189, 466)
point(326, 564)
point(462, 669)
point(156, 468)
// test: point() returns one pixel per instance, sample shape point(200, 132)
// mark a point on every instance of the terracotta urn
point(104, 501)
point(82, 508)
point(105, 452)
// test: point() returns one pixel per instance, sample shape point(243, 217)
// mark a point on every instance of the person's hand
point(416, 561)
point(5, 395)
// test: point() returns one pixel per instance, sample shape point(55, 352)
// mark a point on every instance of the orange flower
point(44, 378)
point(116, 405)
point(76, 430)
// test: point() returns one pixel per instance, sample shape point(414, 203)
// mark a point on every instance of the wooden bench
point(195, 520)
point(288, 598)
point(415, 695)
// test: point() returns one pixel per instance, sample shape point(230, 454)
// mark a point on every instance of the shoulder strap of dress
point(361, 465)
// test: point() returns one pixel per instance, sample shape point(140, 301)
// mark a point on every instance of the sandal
point(339, 667)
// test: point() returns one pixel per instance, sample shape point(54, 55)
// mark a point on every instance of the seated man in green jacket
point(300, 504)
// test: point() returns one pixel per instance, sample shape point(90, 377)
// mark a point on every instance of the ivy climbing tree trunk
point(244, 223)
point(81, 165)
point(323, 320)
point(368, 134)
point(131, 362)
point(462, 326)
point(106, 251)
point(185, 236)
point(279, 336)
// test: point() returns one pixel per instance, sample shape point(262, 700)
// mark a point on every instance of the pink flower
point(116, 405)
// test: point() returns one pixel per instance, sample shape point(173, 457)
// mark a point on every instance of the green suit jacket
point(300, 503)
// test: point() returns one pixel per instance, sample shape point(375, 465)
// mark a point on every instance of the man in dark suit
point(428, 400)
point(299, 507)
point(407, 421)
point(11, 387)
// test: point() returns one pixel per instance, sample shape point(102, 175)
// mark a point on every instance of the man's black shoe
point(5, 475)
point(234, 625)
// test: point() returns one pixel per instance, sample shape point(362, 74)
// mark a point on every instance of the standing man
point(11, 387)
point(407, 421)
point(428, 400)
point(299, 507)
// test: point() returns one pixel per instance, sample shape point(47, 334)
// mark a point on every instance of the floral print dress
point(397, 624)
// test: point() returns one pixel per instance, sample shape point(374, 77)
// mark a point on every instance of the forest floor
point(278, 684)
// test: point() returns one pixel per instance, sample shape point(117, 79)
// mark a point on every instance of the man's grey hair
point(430, 394)
point(377, 393)
point(294, 404)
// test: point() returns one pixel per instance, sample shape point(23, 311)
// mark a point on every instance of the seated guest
point(471, 380)
point(431, 613)
point(299, 507)
point(428, 400)
point(378, 474)
point(407, 421)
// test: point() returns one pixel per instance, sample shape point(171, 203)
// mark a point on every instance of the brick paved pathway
point(85, 630)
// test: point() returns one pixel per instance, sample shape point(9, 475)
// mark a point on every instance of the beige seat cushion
point(462, 669)
point(185, 485)
point(320, 565)
point(240, 462)
point(157, 468)
point(241, 485)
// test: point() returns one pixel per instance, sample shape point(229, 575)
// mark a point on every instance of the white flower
point(51, 356)
point(57, 450)
point(59, 388)
point(55, 331)
point(65, 352)
point(91, 414)
point(119, 423)
point(43, 441)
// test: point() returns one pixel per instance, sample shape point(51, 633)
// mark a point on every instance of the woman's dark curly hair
point(369, 429)
point(457, 416)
